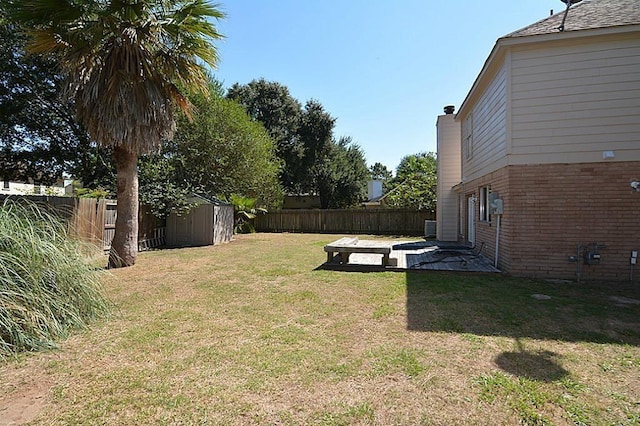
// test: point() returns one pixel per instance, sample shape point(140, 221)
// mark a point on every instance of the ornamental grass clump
point(47, 285)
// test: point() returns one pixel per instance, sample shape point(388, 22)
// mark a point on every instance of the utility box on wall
point(496, 204)
point(591, 253)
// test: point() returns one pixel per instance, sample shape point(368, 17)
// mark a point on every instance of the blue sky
point(384, 69)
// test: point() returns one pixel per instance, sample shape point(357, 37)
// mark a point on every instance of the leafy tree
point(316, 136)
point(220, 152)
point(224, 152)
point(380, 172)
point(422, 163)
point(162, 188)
point(271, 104)
point(124, 64)
point(39, 136)
point(334, 170)
point(90, 193)
point(342, 176)
point(415, 184)
point(313, 162)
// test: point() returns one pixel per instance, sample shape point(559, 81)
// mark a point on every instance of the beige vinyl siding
point(488, 127)
point(570, 102)
point(448, 176)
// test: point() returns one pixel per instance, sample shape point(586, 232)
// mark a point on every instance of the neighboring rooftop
point(586, 15)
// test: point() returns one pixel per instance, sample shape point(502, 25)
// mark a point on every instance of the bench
point(345, 246)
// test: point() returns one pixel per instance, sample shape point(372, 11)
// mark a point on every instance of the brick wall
point(551, 209)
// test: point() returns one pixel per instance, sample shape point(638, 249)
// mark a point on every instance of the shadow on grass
point(540, 366)
point(491, 305)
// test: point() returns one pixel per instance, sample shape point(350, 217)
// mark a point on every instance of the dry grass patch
point(251, 333)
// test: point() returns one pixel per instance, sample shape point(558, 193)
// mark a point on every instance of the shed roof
point(210, 199)
point(586, 15)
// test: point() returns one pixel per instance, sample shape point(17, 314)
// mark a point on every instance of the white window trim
point(467, 137)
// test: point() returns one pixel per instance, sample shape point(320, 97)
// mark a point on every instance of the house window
point(467, 137)
point(5, 184)
point(468, 147)
point(485, 211)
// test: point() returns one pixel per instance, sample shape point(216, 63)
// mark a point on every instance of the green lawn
point(251, 333)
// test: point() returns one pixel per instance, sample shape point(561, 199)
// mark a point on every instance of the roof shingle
point(586, 15)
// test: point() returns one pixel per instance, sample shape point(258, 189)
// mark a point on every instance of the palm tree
point(127, 65)
point(245, 211)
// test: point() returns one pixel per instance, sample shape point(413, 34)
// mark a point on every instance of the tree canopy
point(271, 104)
point(312, 158)
point(415, 183)
point(39, 136)
point(380, 172)
point(342, 177)
point(220, 152)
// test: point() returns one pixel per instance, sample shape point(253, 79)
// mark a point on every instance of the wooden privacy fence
point(63, 207)
point(376, 222)
point(94, 221)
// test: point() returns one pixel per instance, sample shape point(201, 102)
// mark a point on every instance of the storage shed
point(209, 223)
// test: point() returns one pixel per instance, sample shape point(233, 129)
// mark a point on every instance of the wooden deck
point(423, 255)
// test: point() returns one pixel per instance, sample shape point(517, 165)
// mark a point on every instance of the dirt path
point(24, 404)
point(23, 407)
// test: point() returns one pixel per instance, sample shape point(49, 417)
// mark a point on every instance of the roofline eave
point(503, 43)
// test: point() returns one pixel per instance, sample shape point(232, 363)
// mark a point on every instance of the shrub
point(47, 286)
point(245, 211)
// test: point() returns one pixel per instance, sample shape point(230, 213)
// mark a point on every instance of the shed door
point(183, 230)
point(202, 230)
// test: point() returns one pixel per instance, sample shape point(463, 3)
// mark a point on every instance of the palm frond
point(127, 62)
point(38, 13)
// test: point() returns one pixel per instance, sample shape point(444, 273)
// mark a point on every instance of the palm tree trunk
point(124, 247)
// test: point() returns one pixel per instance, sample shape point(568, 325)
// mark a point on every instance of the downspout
point(497, 208)
point(495, 262)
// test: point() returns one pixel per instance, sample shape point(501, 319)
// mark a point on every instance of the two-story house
point(551, 128)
